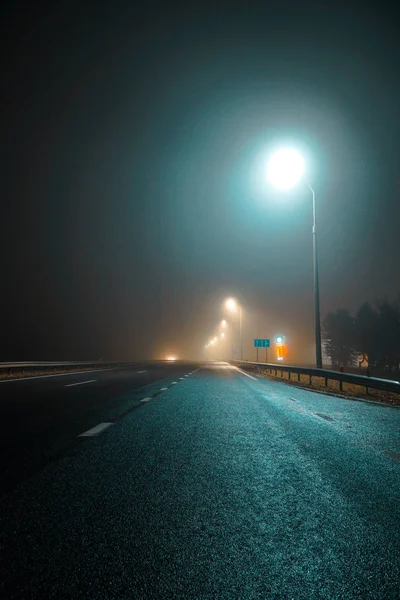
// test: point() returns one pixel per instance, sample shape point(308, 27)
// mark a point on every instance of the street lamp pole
point(318, 348)
point(241, 332)
point(285, 170)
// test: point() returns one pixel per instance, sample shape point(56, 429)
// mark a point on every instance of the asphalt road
point(42, 417)
point(202, 483)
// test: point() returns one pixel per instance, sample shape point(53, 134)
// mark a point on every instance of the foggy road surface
point(221, 485)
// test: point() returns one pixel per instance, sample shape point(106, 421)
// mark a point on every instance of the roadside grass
point(29, 372)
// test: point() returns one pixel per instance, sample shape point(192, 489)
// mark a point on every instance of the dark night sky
point(133, 198)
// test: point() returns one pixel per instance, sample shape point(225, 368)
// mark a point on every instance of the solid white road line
point(243, 373)
point(67, 374)
point(96, 430)
point(146, 399)
point(142, 371)
point(81, 382)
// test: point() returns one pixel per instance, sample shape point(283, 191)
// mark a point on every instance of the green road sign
point(262, 343)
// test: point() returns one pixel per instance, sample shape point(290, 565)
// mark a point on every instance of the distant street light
point(223, 323)
point(285, 169)
point(222, 335)
point(233, 305)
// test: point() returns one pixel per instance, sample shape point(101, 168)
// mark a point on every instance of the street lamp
point(233, 305)
point(285, 169)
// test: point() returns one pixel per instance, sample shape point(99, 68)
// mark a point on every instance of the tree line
point(370, 339)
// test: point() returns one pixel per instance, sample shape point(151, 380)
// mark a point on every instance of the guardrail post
point(298, 376)
point(326, 382)
point(310, 379)
point(341, 385)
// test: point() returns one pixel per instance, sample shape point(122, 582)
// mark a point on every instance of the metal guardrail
point(386, 385)
point(44, 367)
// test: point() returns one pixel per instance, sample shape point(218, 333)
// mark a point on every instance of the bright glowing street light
point(233, 305)
point(222, 335)
point(286, 169)
point(223, 323)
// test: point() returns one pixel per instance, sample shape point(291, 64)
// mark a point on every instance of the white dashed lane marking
point(95, 430)
point(142, 371)
point(81, 382)
point(146, 399)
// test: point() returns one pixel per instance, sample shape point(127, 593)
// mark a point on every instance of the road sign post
point(264, 343)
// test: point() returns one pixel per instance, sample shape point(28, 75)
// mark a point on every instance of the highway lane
point(43, 416)
point(221, 486)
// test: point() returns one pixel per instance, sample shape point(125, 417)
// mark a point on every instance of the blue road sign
point(262, 343)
